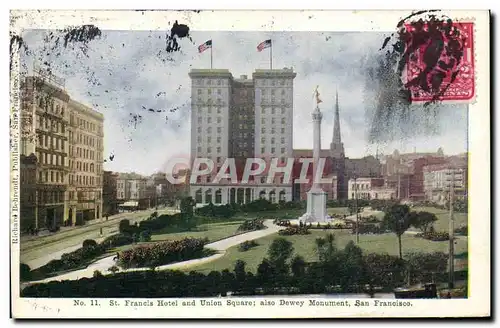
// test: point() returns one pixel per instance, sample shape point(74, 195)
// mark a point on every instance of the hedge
point(162, 253)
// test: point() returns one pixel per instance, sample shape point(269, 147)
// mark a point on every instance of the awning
point(129, 204)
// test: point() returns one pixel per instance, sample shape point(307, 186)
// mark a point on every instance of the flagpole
point(271, 56)
point(211, 60)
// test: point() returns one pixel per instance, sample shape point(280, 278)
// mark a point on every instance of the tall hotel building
point(61, 149)
point(241, 118)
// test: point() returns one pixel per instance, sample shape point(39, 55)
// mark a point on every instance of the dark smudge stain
point(177, 31)
point(386, 74)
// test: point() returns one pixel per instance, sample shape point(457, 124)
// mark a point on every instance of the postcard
point(249, 164)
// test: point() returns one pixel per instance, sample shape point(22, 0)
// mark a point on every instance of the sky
point(124, 73)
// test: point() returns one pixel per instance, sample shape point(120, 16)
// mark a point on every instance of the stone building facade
point(46, 114)
point(85, 133)
point(241, 118)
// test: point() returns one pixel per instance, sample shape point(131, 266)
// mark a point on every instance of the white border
point(479, 242)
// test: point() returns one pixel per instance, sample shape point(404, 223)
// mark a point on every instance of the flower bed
point(246, 245)
point(252, 225)
point(162, 253)
point(290, 231)
point(434, 236)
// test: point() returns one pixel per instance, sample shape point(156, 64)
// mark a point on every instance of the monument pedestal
point(316, 207)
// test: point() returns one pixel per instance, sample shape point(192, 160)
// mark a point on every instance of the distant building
point(131, 191)
point(368, 166)
point(438, 177)
point(370, 188)
point(110, 193)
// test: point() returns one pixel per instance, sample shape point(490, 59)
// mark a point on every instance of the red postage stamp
point(439, 61)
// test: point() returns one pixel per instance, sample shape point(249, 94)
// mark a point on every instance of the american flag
point(263, 45)
point(205, 46)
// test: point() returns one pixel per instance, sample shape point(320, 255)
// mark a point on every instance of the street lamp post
point(356, 208)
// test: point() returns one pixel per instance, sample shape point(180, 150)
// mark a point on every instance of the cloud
point(126, 70)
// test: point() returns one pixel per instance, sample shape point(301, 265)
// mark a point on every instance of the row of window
point(84, 195)
point(273, 120)
point(209, 109)
point(49, 124)
point(209, 150)
point(209, 129)
point(50, 159)
point(84, 153)
point(209, 120)
point(50, 142)
point(49, 176)
point(259, 82)
point(273, 130)
point(277, 179)
point(85, 125)
point(209, 82)
point(50, 104)
point(273, 151)
point(84, 180)
point(209, 139)
point(84, 139)
point(273, 140)
point(273, 110)
point(51, 196)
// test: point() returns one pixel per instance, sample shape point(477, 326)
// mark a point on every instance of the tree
point(325, 247)
point(239, 275)
point(279, 252)
point(351, 265)
point(187, 204)
point(24, 272)
point(265, 273)
point(298, 266)
point(89, 243)
point(398, 220)
point(422, 220)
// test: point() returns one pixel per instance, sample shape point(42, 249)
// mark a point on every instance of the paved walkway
point(220, 246)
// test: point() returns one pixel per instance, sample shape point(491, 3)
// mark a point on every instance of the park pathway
point(54, 249)
point(220, 246)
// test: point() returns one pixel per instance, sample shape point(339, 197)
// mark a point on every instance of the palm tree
point(398, 220)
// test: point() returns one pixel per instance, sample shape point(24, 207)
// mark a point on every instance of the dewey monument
point(316, 197)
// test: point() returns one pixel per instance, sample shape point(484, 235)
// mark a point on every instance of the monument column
point(317, 117)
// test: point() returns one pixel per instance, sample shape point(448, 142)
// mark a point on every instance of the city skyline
point(131, 75)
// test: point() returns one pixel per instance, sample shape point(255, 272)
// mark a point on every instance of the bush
point(89, 243)
point(246, 245)
point(116, 241)
point(97, 273)
point(252, 225)
point(145, 236)
point(113, 269)
point(463, 230)
point(24, 272)
point(290, 231)
point(434, 236)
point(368, 229)
point(73, 259)
point(123, 225)
point(157, 254)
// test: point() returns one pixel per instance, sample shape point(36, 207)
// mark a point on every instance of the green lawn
point(212, 231)
point(444, 217)
point(304, 245)
point(337, 210)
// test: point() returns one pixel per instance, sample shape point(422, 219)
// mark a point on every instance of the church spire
point(336, 123)
point(337, 147)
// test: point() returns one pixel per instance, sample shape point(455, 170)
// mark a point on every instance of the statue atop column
point(316, 197)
